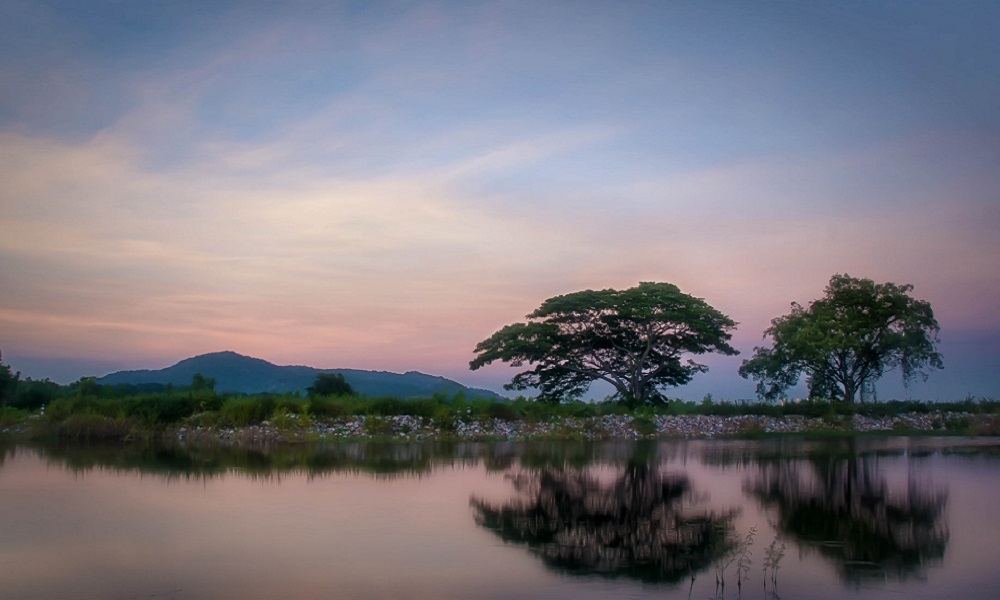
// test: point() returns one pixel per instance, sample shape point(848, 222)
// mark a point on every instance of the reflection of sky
point(103, 534)
point(382, 186)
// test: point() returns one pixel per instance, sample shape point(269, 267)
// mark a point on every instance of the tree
point(846, 341)
point(200, 383)
point(330, 384)
point(633, 339)
point(8, 383)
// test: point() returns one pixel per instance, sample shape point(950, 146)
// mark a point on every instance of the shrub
point(324, 407)
point(207, 401)
point(161, 409)
point(680, 407)
point(59, 410)
point(444, 418)
point(986, 425)
point(282, 419)
point(958, 423)
point(576, 408)
point(644, 425)
point(387, 406)
point(378, 426)
point(291, 405)
point(423, 407)
point(383, 406)
point(243, 411)
point(502, 410)
point(10, 415)
point(32, 395)
point(91, 427)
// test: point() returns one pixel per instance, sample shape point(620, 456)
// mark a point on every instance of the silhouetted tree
point(8, 383)
point(633, 339)
point(200, 383)
point(330, 384)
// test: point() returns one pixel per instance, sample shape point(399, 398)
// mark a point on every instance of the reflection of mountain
point(316, 460)
point(205, 462)
point(843, 507)
point(640, 526)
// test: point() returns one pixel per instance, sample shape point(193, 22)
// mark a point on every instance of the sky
point(381, 185)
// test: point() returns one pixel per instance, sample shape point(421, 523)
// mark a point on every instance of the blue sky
point(381, 185)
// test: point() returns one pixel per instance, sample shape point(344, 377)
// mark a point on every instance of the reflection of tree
point(7, 449)
point(381, 460)
point(843, 507)
point(638, 526)
point(378, 460)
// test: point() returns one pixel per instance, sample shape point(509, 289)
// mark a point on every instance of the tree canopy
point(330, 384)
point(633, 339)
point(846, 341)
point(8, 383)
point(200, 383)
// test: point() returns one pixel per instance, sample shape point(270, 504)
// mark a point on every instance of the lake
point(789, 518)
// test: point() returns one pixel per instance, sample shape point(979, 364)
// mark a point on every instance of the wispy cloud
point(385, 189)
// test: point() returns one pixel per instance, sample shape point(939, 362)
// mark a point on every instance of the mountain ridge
point(239, 374)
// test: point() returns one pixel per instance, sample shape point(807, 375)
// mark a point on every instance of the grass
point(101, 413)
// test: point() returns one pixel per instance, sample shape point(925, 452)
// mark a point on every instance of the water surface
point(857, 518)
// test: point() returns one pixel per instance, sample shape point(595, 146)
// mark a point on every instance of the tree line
point(642, 342)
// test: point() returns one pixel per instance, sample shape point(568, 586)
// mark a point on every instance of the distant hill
point(237, 374)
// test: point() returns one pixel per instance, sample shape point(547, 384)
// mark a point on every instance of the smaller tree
point(8, 383)
point(200, 383)
point(846, 341)
point(88, 387)
point(32, 394)
point(330, 384)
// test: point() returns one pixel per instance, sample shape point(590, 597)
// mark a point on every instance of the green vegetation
point(330, 384)
point(846, 341)
point(87, 411)
point(8, 384)
point(633, 339)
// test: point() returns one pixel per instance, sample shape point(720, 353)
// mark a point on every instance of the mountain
point(237, 374)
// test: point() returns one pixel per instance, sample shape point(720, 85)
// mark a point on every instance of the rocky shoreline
point(412, 428)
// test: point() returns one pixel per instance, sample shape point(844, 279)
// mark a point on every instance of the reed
point(772, 562)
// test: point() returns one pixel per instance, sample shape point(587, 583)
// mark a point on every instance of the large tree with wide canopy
point(634, 339)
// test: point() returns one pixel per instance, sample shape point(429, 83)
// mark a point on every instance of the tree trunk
point(849, 391)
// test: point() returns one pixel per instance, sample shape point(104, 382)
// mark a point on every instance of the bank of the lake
point(299, 429)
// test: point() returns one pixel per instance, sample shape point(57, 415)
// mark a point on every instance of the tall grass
point(89, 427)
point(11, 416)
point(247, 410)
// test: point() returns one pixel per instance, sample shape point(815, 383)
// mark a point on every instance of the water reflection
point(7, 449)
point(379, 460)
point(369, 520)
point(643, 524)
point(207, 462)
point(842, 505)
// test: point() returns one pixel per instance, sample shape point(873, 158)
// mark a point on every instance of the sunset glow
point(382, 185)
